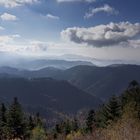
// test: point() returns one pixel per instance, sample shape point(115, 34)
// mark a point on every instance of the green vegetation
point(14, 123)
point(90, 121)
point(38, 133)
point(118, 119)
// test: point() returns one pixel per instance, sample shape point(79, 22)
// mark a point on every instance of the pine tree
point(133, 84)
point(75, 126)
point(58, 128)
point(3, 121)
point(101, 117)
point(15, 120)
point(135, 89)
point(67, 127)
point(31, 123)
point(138, 105)
point(38, 120)
point(90, 121)
point(112, 110)
point(132, 95)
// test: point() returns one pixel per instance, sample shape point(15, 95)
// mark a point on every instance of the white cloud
point(50, 16)
point(106, 8)
point(8, 38)
point(60, 1)
point(15, 3)
point(8, 17)
point(9, 43)
point(41, 49)
point(103, 35)
point(6, 42)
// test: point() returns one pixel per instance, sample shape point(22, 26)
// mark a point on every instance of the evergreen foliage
point(118, 111)
point(75, 125)
point(15, 120)
point(90, 121)
point(113, 109)
point(3, 121)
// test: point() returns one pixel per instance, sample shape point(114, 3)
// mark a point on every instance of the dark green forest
point(117, 119)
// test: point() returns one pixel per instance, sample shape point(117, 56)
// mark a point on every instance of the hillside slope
point(46, 95)
point(101, 82)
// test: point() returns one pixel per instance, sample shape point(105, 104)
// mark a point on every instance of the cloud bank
point(103, 35)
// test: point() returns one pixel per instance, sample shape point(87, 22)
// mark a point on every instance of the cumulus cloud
point(106, 8)
point(50, 16)
point(103, 35)
point(15, 3)
point(8, 17)
point(60, 1)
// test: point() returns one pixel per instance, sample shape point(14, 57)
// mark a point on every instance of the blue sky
point(104, 29)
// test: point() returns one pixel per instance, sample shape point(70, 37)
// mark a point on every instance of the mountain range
point(101, 82)
point(56, 91)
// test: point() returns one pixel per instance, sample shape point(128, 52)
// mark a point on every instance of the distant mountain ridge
point(43, 63)
point(60, 64)
point(101, 82)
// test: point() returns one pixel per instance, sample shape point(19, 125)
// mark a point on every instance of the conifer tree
point(67, 127)
point(15, 120)
point(90, 121)
point(75, 126)
point(38, 120)
point(3, 121)
point(112, 110)
point(31, 123)
point(132, 95)
point(101, 117)
point(58, 128)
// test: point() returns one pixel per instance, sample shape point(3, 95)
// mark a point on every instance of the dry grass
point(126, 128)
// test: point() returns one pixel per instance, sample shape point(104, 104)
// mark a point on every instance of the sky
point(101, 29)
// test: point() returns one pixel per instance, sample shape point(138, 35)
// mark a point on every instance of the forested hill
point(47, 95)
point(118, 119)
point(101, 82)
